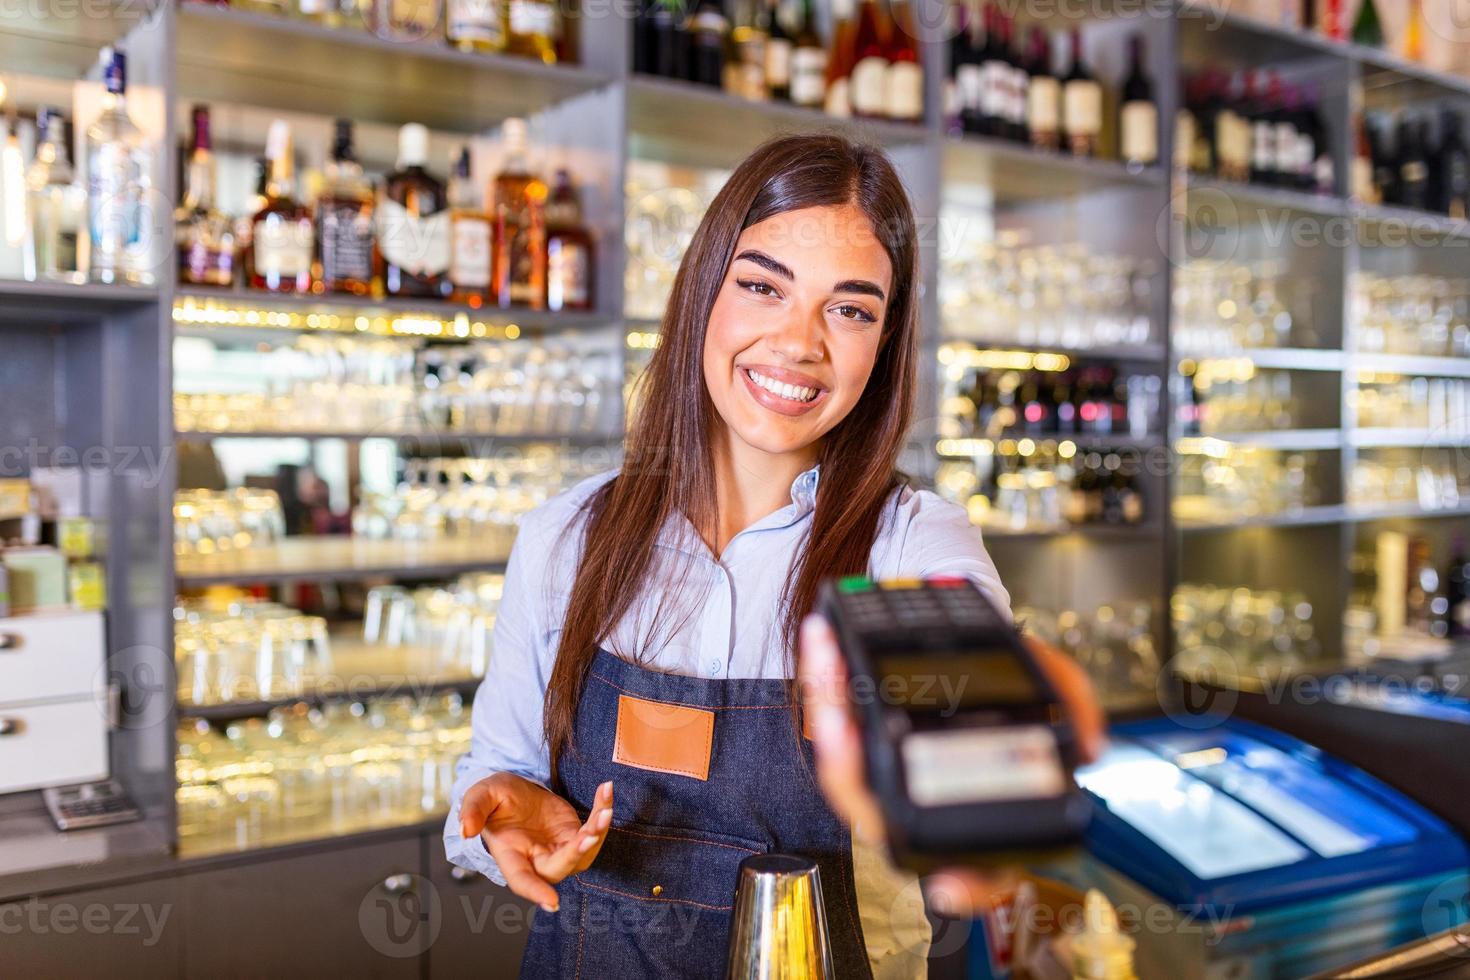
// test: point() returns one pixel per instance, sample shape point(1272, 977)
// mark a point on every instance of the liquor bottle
point(668, 42)
point(204, 235)
point(1364, 189)
point(965, 67)
point(1043, 96)
point(532, 29)
point(117, 185)
point(1413, 164)
point(838, 98)
point(1019, 82)
point(344, 221)
point(282, 235)
point(1367, 28)
point(808, 62)
point(867, 83)
point(13, 222)
point(1262, 112)
point(475, 25)
point(1296, 144)
point(1315, 142)
point(1333, 27)
point(1457, 591)
point(1232, 134)
point(779, 48)
point(904, 86)
point(1413, 42)
point(1081, 104)
point(568, 249)
point(995, 77)
point(708, 29)
point(412, 253)
point(520, 226)
point(330, 13)
point(643, 39)
point(745, 68)
point(1452, 169)
point(1138, 119)
point(403, 21)
point(469, 236)
point(56, 241)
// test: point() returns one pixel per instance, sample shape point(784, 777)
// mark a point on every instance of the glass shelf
point(340, 557)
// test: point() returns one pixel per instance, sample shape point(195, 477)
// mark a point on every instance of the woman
point(650, 618)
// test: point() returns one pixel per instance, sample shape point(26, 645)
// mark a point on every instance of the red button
point(948, 581)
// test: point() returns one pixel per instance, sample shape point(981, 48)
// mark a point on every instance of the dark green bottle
point(1368, 29)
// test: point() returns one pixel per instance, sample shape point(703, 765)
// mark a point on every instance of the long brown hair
point(668, 463)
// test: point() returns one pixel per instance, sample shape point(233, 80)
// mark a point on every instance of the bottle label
point(417, 244)
point(1020, 92)
point(524, 245)
point(347, 241)
point(1263, 147)
point(994, 89)
point(1288, 149)
point(470, 262)
point(282, 248)
point(1082, 108)
point(1140, 125)
point(115, 207)
point(475, 20)
point(905, 90)
point(778, 63)
point(971, 83)
point(808, 76)
point(532, 18)
point(1042, 103)
point(568, 274)
point(868, 85)
point(838, 102)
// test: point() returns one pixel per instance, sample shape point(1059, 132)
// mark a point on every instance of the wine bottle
point(995, 77)
point(1367, 28)
point(1043, 96)
point(904, 85)
point(1018, 81)
point(1363, 189)
point(867, 83)
point(779, 48)
point(708, 29)
point(1081, 104)
point(808, 62)
point(1452, 171)
point(1138, 121)
point(1413, 164)
point(1263, 111)
point(838, 99)
point(964, 59)
point(1384, 156)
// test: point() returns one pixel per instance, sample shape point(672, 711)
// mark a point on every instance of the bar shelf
point(340, 557)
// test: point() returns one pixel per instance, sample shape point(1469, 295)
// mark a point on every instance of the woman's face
point(794, 331)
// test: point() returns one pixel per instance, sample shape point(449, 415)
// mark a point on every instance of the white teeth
point(795, 393)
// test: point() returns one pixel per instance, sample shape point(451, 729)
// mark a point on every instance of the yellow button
point(658, 889)
point(901, 583)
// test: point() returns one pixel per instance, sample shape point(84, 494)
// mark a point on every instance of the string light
point(192, 311)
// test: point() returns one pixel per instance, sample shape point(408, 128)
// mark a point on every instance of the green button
point(854, 583)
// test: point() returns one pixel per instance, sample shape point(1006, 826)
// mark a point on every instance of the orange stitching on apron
point(695, 840)
point(649, 898)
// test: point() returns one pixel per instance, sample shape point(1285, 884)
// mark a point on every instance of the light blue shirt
point(721, 617)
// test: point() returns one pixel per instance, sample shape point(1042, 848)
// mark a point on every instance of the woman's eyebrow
point(864, 286)
point(763, 260)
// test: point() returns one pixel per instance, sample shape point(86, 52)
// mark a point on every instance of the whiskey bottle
point(568, 249)
point(56, 240)
point(204, 235)
point(532, 27)
point(344, 221)
point(475, 25)
point(520, 230)
point(469, 235)
point(282, 235)
point(412, 254)
point(117, 185)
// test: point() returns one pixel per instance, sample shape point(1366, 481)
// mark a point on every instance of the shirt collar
point(804, 489)
point(679, 535)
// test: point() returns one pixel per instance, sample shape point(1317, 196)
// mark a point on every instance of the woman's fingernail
point(548, 907)
point(605, 787)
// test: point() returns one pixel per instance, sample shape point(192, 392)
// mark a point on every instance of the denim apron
point(657, 901)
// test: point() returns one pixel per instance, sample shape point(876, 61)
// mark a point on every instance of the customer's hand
point(822, 679)
point(533, 834)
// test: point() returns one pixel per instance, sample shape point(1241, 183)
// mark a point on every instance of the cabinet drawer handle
point(10, 641)
point(11, 726)
point(397, 884)
point(462, 875)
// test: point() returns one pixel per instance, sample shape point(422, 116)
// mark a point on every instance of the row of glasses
point(210, 522)
point(303, 772)
point(1430, 479)
point(1441, 405)
point(1229, 632)
point(1412, 314)
point(665, 206)
point(1219, 482)
point(455, 622)
point(1045, 295)
point(1115, 644)
point(246, 649)
point(554, 386)
point(1223, 307)
point(1224, 402)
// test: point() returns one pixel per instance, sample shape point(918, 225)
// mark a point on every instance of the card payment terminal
point(968, 746)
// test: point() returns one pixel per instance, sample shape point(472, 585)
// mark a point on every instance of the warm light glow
point(208, 312)
point(957, 359)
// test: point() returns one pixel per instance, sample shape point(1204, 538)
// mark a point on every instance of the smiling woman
point(636, 735)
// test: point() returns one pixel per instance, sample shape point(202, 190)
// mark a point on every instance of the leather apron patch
point(670, 738)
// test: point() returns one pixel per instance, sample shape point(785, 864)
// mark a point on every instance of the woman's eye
point(850, 312)
point(757, 286)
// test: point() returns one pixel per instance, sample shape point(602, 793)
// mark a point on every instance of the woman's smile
point(781, 390)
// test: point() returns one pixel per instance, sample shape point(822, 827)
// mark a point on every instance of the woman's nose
point(797, 336)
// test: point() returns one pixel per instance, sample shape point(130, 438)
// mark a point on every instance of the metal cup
point(779, 927)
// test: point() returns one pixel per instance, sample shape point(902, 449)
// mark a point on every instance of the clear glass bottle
point(56, 241)
point(282, 234)
point(118, 181)
point(205, 236)
point(344, 221)
point(568, 249)
point(520, 229)
point(413, 246)
point(470, 235)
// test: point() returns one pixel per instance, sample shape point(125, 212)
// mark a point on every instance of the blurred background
point(304, 302)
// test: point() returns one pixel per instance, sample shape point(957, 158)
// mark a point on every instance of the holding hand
point(533, 834)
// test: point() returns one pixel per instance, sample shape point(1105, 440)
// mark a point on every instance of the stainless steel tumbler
point(779, 929)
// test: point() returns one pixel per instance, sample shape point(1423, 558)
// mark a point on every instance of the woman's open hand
point(533, 834)
point(822, 679)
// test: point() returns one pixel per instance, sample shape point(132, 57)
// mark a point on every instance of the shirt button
point(714, 667)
